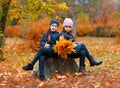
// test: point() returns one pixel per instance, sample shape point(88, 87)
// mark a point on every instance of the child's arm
point(43, 40)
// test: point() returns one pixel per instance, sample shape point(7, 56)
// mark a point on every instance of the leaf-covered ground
point(106, 75)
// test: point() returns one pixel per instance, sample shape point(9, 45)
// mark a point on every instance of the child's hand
point(74, 44)
point(47, 46)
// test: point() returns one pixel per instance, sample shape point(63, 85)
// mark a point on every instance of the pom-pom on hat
point(68, 22)
point(54, 22)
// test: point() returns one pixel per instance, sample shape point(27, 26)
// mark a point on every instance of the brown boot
point(83, 71)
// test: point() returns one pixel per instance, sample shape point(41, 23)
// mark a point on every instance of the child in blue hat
point(47, 42)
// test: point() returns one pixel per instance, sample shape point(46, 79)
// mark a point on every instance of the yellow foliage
point(62, 6)
point(14, 1)
point(64, 47)
point(34, 8)
point(14, 13)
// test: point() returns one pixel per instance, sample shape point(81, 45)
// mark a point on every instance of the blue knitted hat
point(54, 21)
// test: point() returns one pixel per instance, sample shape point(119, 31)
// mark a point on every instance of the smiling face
point(67, 29)
point(53, 27)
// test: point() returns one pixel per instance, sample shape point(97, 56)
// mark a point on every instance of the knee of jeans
point(82, 44)
point(43, 50)
point(40, 50)
point(42, 59)
point(82, 52)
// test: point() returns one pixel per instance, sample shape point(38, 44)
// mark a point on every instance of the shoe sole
point(27, 69)
point(96, 64)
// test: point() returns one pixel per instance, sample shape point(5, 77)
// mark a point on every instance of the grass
point(106, 75)
point(104, 49)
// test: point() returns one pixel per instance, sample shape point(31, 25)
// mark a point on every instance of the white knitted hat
point(68, 22)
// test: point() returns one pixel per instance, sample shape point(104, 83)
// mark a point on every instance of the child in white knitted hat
point(81, 50)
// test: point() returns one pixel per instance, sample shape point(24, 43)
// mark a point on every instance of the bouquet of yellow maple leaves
point(64, 47)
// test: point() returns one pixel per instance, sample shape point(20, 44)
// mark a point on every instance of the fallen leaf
point(42, 84)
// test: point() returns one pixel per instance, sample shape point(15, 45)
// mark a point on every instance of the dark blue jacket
point(53, 37)
point(67, 36)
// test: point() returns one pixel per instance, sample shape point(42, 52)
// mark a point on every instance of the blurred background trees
point(91, 17)
point(29, 19)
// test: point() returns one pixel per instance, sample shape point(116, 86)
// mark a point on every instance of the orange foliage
point(24, 46)
point(117, 38)
point(83, 29)
point(64, 47)
point(32, 35)
point(109, 21)
point(12, 31)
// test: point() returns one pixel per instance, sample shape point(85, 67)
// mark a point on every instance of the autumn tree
point(26, 9)
point(34, 9)
point(4, 7)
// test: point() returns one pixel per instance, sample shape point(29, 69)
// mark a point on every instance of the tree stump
point(57, 64)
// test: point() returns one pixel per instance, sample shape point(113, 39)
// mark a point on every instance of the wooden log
point(57, 64)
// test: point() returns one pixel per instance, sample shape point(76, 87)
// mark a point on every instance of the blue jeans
point(81, 52)
point(81, 55)
point(49, 53)
point(41, 65)
point(38, 55)
point(83, 47)
point(80, 47)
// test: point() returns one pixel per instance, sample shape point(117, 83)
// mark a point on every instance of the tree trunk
point(76, 2)
point(60, 65)
point(5, 8)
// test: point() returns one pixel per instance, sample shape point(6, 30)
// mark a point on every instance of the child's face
point(68, 29)
point(53, 27)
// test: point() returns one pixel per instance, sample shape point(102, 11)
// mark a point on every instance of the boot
point(28, 67)
point(42, 77)
point(94, 62)
point(83, 71)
